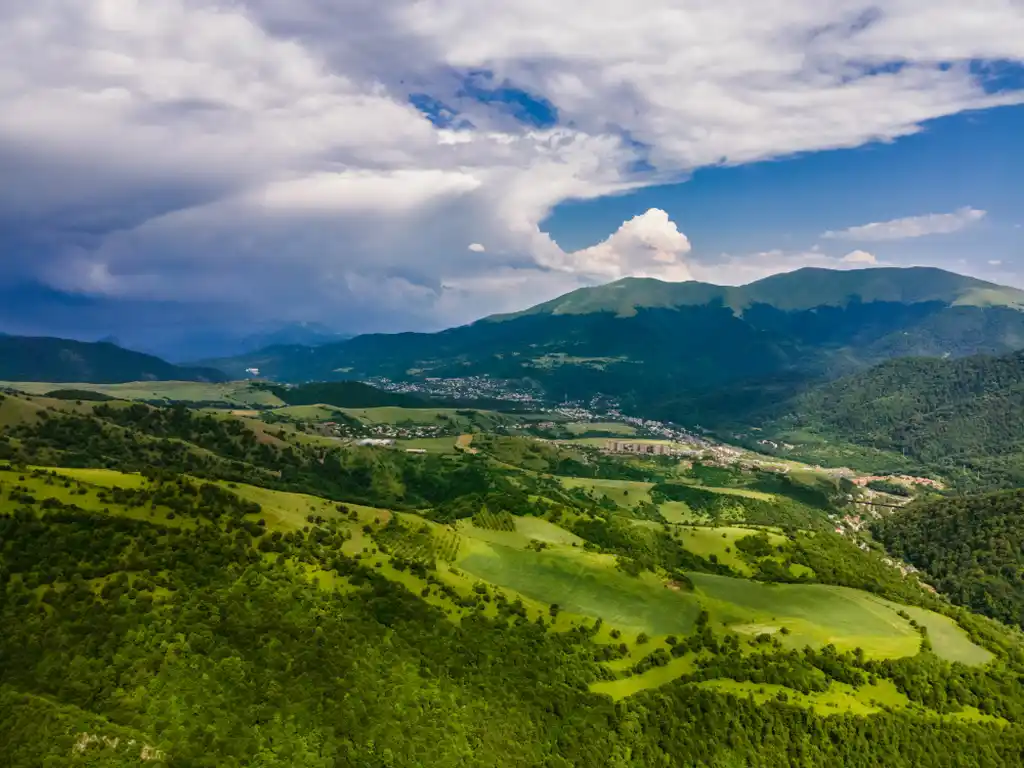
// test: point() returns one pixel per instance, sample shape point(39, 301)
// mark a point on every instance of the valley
point(711, 575)
point(552, 553)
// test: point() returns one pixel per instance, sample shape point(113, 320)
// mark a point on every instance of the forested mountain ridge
point(971, 548)
point(961, 416)
point(661, 347)
point(37, 358)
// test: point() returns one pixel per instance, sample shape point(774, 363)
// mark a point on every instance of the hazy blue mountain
point(301, 334)
point(38, 358)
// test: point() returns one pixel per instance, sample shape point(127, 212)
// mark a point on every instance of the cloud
point(476, 248)
point(648, 245)
point(860, 257)
point(912, 226)
point(995, 262)
point(326, 161)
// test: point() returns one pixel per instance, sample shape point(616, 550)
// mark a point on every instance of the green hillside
point(961, 417)
point(33, 358)
point(972, 549)
point(802, 289)
point(344, 394)
point(180, 587)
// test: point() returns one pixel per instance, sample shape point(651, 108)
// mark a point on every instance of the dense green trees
point(961, 417)
point(717, 507)
point(210, 644)
point(198, 649)
point(971, 548)
point(345, 394)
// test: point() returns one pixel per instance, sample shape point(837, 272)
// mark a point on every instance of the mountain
point(38, 358)
point(302, 334)
point(690, 351)
point(803, 289)
point(958, 415)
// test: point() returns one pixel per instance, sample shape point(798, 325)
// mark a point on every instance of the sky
point(181, 173)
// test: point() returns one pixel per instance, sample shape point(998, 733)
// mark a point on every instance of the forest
point(972, 549)
point(239, 600)
point(959, 417)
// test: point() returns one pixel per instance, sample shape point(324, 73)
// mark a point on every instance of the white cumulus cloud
point(860, 257)
point(477, 247)
point(911, 226)
point(648, 245)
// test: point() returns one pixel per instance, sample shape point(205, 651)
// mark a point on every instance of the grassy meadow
point(240, 393)
point(544, 564)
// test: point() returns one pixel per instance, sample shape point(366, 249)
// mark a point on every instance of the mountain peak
point(801, 289)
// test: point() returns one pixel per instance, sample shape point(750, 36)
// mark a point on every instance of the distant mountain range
point(38, 358)
point(299, 334)
point(689, 351)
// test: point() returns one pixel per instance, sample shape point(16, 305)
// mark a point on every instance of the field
point(601, 442)
point(287, 511)
point(308, 412)
point(625, 493)
point(839, 697)
point(948, 640)
point(15, 410)
point(745, 492)
point(240, 393)
point(430, 444)
point(721, 542)
point(652, 678)
point(583, 583)
point(611, 427)
point(466, 420)
point(629, 493)
point(816, 615)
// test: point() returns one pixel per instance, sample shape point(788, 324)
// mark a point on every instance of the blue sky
point(972, 160)
point(415, 165)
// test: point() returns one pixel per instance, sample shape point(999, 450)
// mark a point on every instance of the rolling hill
point(345, 394)
point(690, 351)
point(962, 417)
point(37, 358)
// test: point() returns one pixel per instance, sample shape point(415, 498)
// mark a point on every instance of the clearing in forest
point(817, 614)
point(721, 542)
point(465, 443)
point(583, 583)
point(611, 427)
point(625, 493)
